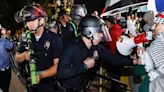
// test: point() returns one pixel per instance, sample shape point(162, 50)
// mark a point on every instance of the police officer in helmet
point(79, 58)
point(46, 45)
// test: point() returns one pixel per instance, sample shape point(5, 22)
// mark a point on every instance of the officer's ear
point(42, 21)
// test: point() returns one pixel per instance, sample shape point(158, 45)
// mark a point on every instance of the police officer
point(69, 29)
point(79, 58)
point(46, 45)
point(65, 29)
point(77, 13)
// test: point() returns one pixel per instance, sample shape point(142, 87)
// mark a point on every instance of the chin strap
point(92, 40)
point(39, 25)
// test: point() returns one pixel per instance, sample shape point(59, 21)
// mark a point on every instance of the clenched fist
point(89, 62)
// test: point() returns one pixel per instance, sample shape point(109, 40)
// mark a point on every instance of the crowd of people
point(63, 55)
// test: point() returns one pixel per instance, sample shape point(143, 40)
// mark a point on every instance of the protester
point(152, 56)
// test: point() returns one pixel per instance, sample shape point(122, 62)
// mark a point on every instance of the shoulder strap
point(75, 29)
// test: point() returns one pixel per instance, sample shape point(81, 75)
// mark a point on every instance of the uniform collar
point(42, 36)
point(81, 43)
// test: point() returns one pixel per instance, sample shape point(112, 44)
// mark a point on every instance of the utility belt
point(48, 80)
point(64, 88)
point(5, 69)
point(70, 89)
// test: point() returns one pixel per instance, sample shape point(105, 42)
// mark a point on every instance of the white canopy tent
point(124, 9)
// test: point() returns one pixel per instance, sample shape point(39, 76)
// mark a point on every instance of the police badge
point(95, 55)
point(46, 44)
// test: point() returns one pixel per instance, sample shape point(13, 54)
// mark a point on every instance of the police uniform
point(48, 47)
point(68, 33)
point(72, 72)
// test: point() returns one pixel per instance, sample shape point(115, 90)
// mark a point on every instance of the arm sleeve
point(66, 69)
point(114, 59)
point(8, 44)
point(21, 47)
point(147, 61)
point(57, 47)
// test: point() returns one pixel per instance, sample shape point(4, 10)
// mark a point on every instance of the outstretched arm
point(114, 59)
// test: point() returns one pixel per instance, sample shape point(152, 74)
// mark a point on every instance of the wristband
point(39, 72)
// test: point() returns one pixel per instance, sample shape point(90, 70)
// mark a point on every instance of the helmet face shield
point(103, 32)
point(30, 13)
point(91, 25)
point(24, 16)
point(28, 16)
point(90, 30)
point(106, 35)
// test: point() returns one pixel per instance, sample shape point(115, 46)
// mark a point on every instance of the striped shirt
point(156, 51)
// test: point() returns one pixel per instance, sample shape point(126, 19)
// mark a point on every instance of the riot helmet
point(90, 25)
point(78, 11)
point(30, 12)
point(53, 26)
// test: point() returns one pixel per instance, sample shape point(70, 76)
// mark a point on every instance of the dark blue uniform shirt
point(71, 70)
point(47, 48)
point(67, 33)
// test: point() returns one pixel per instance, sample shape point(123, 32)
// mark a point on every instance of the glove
point(153, 75)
